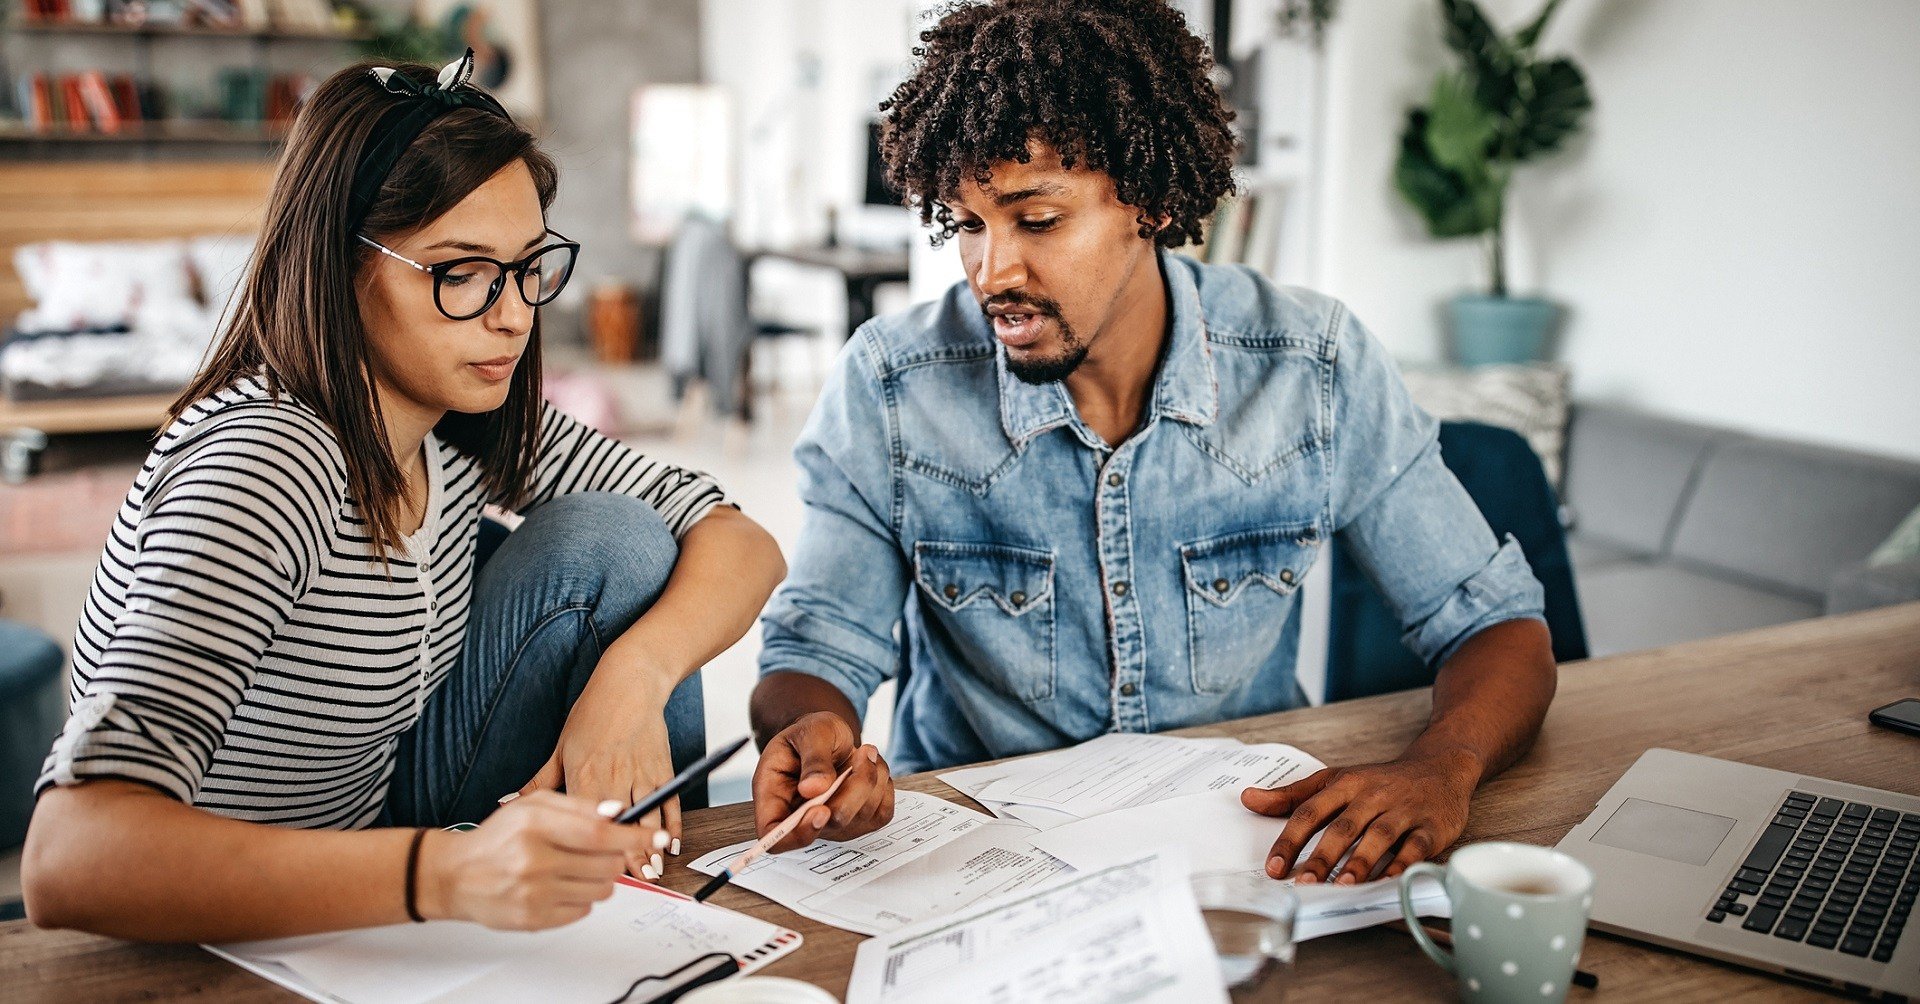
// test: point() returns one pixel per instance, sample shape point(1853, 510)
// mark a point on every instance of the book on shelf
point(72, 104)
point(98, 101)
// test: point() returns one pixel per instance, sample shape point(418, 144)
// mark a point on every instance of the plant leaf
point(1526, 38)
point(1459, 131)
point(1453, 204)
point(1552, 105)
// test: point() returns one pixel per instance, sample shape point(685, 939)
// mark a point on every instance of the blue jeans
point(547, 601)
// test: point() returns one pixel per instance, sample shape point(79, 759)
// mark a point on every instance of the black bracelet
point(413, 874)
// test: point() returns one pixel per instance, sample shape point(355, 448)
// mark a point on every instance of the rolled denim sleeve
point(837, 614)
point(1405, 518)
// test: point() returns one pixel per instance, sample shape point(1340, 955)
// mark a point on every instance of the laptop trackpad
point(1665, 831)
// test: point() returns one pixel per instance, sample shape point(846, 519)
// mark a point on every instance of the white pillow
point(220, 262)
point(92, 285)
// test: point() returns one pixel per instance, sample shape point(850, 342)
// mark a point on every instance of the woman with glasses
point(305, 653)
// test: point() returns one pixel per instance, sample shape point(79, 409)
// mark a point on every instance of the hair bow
point(449, 88)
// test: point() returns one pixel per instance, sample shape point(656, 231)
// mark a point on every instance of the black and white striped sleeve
point(575, 458)
point(227, 534)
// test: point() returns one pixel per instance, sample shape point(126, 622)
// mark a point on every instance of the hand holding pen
point(801, 764)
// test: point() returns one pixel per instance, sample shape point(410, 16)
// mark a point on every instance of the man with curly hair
point(1078, 494)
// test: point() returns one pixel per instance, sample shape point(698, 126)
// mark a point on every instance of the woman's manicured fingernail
point(609, 808)
point(659, 866)
point(873, 755)
point(1346, 878)
point(508, 797)
point(820, 816)
point(674, 847)
point(1307, 878)
point(659, 840)
point(647, 872)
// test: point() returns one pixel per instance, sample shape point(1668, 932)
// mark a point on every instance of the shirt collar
point(1184, 387)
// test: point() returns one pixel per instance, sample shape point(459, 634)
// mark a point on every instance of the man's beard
point(1048, 369)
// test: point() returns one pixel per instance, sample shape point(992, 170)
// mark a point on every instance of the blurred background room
point(1686, 273)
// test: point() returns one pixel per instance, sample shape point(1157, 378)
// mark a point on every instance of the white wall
point(1737, 236)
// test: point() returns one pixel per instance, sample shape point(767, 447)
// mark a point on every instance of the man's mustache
point(1005, 302)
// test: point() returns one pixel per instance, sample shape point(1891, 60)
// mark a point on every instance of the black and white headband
point(401, 124)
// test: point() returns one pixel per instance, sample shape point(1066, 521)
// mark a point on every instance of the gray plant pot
point(1500, 329)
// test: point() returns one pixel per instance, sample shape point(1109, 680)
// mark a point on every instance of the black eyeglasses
point(465, 288)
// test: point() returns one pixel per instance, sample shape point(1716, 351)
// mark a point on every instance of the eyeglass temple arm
point(383, 249)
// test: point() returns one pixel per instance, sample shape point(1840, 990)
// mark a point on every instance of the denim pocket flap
point(955, 575)
point(1220, 569)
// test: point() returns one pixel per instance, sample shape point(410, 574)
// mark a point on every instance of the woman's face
point(424, 363)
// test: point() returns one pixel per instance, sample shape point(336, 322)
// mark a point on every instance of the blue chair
point(1504, 477)
point(32, 709)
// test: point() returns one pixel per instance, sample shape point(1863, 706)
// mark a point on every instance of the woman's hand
point(541, 861)
point(614, 746)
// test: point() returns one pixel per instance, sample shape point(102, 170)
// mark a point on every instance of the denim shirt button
point(1128, 690)
point(951, 592)
point(1221, 585)
point(1120, 588)
point(1115, 480)
point(1286, 576)
point(1018, 599)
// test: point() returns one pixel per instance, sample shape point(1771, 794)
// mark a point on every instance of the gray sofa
point(1680, 531)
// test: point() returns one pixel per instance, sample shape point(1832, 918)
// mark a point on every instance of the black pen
point(694, 772)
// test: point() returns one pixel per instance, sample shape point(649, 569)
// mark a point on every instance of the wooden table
point(1793, 697)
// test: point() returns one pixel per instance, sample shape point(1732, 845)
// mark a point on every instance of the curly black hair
point(1119, 85)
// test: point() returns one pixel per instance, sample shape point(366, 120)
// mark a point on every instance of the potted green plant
point(1505, 106)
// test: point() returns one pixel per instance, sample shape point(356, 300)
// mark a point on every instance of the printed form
point(1123, 770)
point(1130, 932)
point(935, 857)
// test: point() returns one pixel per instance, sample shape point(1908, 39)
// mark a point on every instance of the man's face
point(1048, 252)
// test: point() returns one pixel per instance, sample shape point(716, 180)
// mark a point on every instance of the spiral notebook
point(645, 944)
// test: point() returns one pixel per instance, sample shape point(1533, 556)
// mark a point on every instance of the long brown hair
point(296, 323)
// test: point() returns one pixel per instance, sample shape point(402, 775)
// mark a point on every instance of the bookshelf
point(152, 31)
point(123, 108)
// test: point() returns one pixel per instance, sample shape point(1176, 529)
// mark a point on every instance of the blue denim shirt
point(1032, 587)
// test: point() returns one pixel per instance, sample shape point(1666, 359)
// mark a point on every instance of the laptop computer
point(1778, 871)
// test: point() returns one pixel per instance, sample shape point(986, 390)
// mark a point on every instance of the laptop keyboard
point(1831, 873)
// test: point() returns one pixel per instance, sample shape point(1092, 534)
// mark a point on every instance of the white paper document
point(1130, 932)
point(1214, 832)
point(935, 857)
point(643, 941)
point(1122, 770)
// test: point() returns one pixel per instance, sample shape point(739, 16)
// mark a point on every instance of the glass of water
point(1250, 918)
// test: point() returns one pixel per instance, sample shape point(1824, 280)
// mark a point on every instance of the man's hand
point(801, 762)
point(1416, 803)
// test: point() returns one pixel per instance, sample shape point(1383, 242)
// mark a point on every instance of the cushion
point(1901, 545)
point(1644, 604)
point(1789, 515)
point(1866, 586)
point(91, 285)
point(1627, 473)
point(1530, 399)
point(220, 265)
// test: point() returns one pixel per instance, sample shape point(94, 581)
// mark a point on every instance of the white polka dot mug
point(1519, 918)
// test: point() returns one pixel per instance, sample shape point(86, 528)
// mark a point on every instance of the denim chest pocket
point(996, 603)
point(1239, 589)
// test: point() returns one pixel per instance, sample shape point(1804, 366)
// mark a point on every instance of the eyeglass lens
point(470, 288)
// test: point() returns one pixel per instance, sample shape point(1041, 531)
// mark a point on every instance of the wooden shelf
point(152, 132)
point(187, 31)
point(141, 413)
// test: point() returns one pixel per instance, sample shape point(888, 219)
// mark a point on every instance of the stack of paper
point(1109, 799)
point(933, 858)
point(1093, 806)
point(1130, 932)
